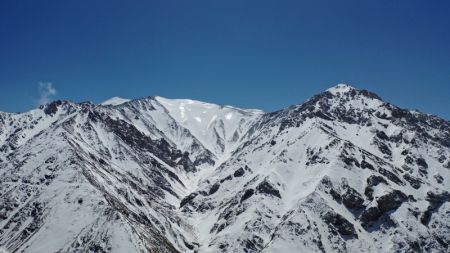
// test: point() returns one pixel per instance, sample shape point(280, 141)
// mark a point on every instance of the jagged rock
point(422, 163)
point(268, 189)
point(352, 199)
point(414, 182)
point(188, 199)
point(186, 163)
point(229, 177)
point(374, 180)
point(254, 245)
point(391, 176)
point(439, 179)
point(369, 216)
point(52, 108)
point(436, 200)
point(162, 171)
point(438, 197)
point(239, 172)
point(247, 194)
point(366, 165)
point(391, 201)
point(342, 225)
point(336, 196)
point(214, 188)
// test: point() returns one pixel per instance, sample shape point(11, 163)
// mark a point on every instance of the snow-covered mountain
point(342, 172)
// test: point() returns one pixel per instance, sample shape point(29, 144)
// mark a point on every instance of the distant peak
point(169, 102)
point(182, 101)
point(342, 88)
point(115, 101)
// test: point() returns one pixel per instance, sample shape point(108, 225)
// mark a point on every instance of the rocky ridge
point(342, 172)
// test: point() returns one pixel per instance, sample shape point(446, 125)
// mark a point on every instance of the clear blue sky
point(261, 54)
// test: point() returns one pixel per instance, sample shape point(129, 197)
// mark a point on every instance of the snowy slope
point(342, 172)
point(219, 128)
point(115, 101)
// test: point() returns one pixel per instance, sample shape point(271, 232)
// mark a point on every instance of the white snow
point(122, 205)
point(213, 125)
point(340, 88)
point(115, 101)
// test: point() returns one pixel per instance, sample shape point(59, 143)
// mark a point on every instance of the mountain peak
point(343, 171)
point(115, 101)
point(342, 88)
point(215, 126)
point(348, 92)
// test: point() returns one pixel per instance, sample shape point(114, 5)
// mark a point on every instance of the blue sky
point(258, 54)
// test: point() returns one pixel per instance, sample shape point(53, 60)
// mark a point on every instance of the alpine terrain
point(342, 172)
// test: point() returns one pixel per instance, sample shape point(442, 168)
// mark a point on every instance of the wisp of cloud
point(46, 91)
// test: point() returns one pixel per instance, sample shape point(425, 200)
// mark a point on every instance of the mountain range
point(343, 171)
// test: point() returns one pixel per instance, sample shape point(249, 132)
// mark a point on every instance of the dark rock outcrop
point(267, 188)
point(342, 225)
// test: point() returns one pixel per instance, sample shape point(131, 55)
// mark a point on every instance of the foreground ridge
point(342, 172)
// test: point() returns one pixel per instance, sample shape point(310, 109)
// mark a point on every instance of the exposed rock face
point(436, 200)
point(267, 188)
point(352, 199)
point(343, 226)
point(391, 201)
point(239, 172)
point(341, 172)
